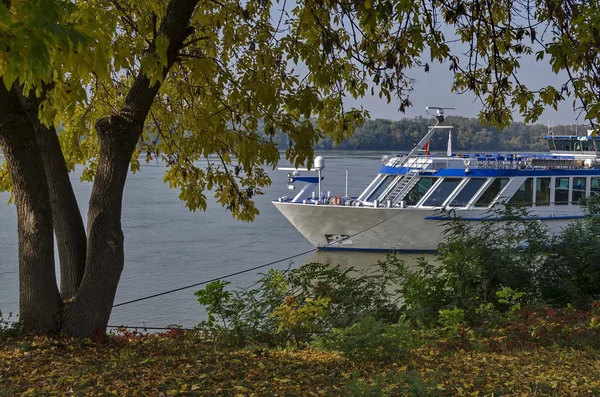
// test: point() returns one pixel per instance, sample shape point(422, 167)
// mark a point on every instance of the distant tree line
point(468, 134)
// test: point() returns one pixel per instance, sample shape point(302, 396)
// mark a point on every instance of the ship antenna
point(439, 114)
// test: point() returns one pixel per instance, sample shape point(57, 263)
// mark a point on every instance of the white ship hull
point(381, 229)
point(400, 210)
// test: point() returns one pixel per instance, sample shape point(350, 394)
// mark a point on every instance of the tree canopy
point(182, 80)
point(281, 63)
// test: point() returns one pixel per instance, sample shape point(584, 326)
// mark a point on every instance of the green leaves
point(240, 68)
point(44, 37)
point(214, 297)
point(5, 181)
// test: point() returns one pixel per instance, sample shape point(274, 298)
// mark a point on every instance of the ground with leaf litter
point(174, 364)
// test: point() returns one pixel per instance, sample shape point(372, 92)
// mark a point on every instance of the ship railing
point(403, 186)
point(492, 161)
point(509, 163)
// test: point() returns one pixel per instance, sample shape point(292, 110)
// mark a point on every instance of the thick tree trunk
point(90, 311)
point(66, 217)
point(39, 299)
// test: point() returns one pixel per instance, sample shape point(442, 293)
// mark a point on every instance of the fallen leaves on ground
point(154, 365)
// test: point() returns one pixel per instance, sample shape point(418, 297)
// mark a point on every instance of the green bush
point(370, 339)
point(475, 262)
point(480, 263)
point(452, 318)
point(489, 276)
point(354, 294)
point(237, 316)
point(300, 303)
point(9, 327)
point(570, 275)
point(512, 299)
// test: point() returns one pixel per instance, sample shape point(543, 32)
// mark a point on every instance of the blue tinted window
point(578, 189)
point(524, 195)
point(442, 192)
point(418, 191)
point(542, 191)
point(491, 192)
point(561, 191)
point(595, 188)
point(467, 192)
point(382, 186)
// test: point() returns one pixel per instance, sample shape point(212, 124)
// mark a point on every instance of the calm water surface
point(167, 246)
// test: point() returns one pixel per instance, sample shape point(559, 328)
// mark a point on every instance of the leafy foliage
point(505, 267)
point(370, 339)
point(477, 262)
point(511, 298)
point(298, 303)
point(492, 277)
point(54, 41)
point(571, 272)
point(451, 319)
point(241, 67)
point(292, 315)
point(9, 327)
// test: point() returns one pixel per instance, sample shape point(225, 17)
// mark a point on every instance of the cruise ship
point(402, 208)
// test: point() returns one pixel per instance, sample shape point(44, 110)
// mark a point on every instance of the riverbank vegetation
point(468, 134)
point(506, 310)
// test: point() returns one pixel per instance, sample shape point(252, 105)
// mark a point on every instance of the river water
point(167, 246)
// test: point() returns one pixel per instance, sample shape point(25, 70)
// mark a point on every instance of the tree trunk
point(92, 306)
point(119, 135)
point(39, 299)
point(66, 217)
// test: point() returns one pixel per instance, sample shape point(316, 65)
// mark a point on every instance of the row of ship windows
point(523, 196)
point(571, 146)
point(561, 191)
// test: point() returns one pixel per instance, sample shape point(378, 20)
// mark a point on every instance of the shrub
point(570, 275)
point(299, 303)
point(512, 299)
point(452, 318)
point(234, 317)
point(354, 294)
point(490, 277)
point(370, 339)
point(475, 262)
point(294, 317)
point(9, 327)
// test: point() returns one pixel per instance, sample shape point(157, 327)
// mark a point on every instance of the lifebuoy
point(467, 162)
point(337, 200)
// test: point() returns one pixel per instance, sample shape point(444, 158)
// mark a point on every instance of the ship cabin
point(574, 145)
point(547, 183)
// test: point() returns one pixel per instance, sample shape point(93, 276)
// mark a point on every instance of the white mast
point(440, 118)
